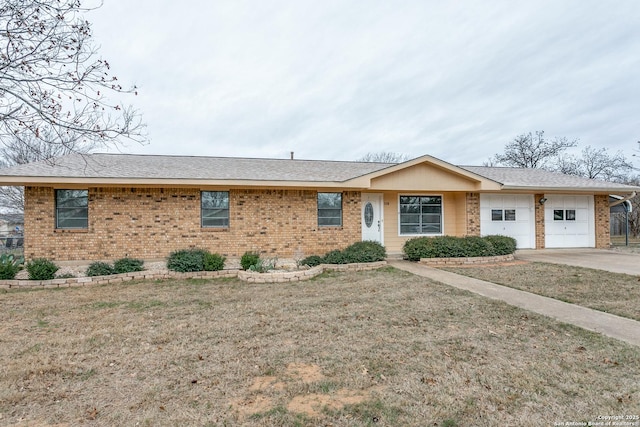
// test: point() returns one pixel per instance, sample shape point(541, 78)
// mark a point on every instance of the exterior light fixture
point(542, 200)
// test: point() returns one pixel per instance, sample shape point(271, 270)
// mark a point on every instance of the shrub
point(99, 268)
point(503, 245)
point(335, 257)
point(41, 269)
point(474, 246)
point(264, 265)
point(433, 247)
point(213, 262)
point(249, 259)
point(457, 247)
point(128, 265)
point(312, 261)
point(186, 260)
point(9, 266)
point(366, 251)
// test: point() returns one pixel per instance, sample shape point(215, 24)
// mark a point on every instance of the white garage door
point(509, 215)
point(569, 222)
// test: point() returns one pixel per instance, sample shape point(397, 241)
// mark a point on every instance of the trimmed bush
point(186, 260)
point(128, 265)
point(335, 257)
point(249, 259)
point(475, 246)
point(503, 245)
point(457, 247)
point(366, 251)
point(41, 269)
point(99, 268)
point(213, 262)
point(312, 261)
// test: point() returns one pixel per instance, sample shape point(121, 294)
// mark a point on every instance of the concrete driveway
point(602, 259)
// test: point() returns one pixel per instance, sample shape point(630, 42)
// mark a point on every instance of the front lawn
point(601, 290)
point(381, 348)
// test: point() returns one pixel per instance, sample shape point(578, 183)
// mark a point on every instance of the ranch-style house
point(108, 206)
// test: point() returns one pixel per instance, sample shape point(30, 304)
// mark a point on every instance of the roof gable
point(427, 173)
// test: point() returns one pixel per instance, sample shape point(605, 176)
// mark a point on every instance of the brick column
point(602, 217)
point(473, 214)
point(539, 218)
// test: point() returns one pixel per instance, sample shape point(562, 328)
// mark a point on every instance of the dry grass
point(610, 292)
point(381, 348)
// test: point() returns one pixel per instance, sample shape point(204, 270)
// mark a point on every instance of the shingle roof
point(194, 168)
point(538, 178)
point(173, 169)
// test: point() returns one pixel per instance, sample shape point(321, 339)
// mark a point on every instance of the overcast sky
point(337, 79)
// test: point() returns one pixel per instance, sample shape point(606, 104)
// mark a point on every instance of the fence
point(11, 243)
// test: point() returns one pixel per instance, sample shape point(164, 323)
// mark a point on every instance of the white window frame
point(58, 209)
point(202, 210)
point(318, 209)
point(442, 213)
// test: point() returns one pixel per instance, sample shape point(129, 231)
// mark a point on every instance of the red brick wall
point(149, 223)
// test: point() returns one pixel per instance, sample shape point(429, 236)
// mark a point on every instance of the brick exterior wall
point(602, 218)
point(539, 218)
point(149, 223)
point(473, 214)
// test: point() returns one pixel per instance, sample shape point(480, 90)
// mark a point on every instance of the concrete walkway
point(601, 259)
point(607, 324)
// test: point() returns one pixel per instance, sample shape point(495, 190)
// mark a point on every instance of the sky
point(338, 79)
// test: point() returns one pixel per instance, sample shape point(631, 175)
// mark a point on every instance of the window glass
point(558, 215)
point(329, 209)
point(214, 209)
point(509, 214)
point(420, 214)
point(570, 215)
point(72, 209)
point(496, 214)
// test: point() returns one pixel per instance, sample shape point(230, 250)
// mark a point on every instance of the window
point(503, 215)
point(564, 215)
point(509, 214)
point(420, 214)
point(72, 209)
point(329, 209)
point(214, 209)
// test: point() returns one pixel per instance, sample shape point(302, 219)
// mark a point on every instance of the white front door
point(372, 220)
point(569, 221)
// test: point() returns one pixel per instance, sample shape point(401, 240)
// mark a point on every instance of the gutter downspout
point(624, 199)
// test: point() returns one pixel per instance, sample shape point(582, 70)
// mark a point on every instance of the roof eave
point(165, 182)
point(601, 190)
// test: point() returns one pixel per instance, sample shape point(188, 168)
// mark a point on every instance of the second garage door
point(569, 221)
point(509, 215)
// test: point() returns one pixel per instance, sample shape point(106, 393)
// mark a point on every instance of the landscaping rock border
point(247, 276)
point(435, 262)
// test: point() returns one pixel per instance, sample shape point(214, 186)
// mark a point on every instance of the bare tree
point(384, 157)
point(31, 149)
point(53, 86)
point(596, 164)
point(532, 151)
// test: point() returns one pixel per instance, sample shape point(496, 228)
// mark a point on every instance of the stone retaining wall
point(435, 262)
point(247, 276)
